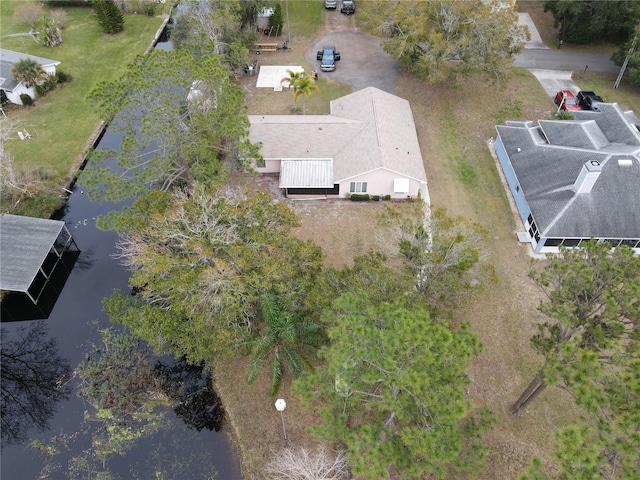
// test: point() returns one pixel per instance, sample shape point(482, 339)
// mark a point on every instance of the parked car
point(588, 100)
point(348, 7)
point(332, 4)
point(328, 57)
point(566, 100)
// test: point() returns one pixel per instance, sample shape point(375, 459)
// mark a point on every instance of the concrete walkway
point(524, 19)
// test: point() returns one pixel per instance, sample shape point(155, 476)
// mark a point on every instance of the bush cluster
point(365, 197)
point(26, 99)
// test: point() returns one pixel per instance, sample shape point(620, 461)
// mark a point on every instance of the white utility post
point(280, 406)
point(564, 98)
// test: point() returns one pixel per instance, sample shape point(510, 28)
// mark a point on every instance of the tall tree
point(29, 71)
point(593, 21)
point(200, 261)
point(181, 120)
point(303, 86)
point(109, 16)
point(438, 39)
point(444, 253)
point(593, 310)
point(224, 28)
point(630, 50)
point(286, 339)
point(606, 444)
point(392, 391)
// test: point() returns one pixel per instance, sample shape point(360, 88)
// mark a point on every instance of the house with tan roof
point(367, 144)
point(572, 180)
point(12, 87)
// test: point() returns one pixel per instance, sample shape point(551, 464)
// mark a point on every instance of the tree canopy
point(591, 346)
point(181, 120)
point(200, 261)
point(287, 339)
point(109, 16)
point(392, 390)
point(225, 28)
point(439, 39)
point(28, 71)
point(594, 21)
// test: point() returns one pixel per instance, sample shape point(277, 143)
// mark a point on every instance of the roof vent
point(625, 162)
point(589, 173)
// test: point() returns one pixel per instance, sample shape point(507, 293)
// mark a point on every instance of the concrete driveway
point(362, 61)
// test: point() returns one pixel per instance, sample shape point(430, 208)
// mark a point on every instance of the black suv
point(588, 100)
point(348, 7)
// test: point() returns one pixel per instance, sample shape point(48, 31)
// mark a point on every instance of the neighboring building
point(575, 179)
point(14, 88)
point(367, 144)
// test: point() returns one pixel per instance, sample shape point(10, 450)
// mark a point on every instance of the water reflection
point(189, 386)
point(34, 380)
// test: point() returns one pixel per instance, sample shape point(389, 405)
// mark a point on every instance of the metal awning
point(25, 243)
point(303, 173)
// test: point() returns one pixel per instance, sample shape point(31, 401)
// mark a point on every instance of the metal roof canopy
point(25, 243)
point(301, 173)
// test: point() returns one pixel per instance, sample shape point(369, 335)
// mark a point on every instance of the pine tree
point(110, 18)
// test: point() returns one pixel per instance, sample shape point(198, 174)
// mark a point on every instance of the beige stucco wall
point(380, 182)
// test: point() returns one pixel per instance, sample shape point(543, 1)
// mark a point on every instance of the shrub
point(276, 20)
point(63, 76)
point(387, 197)
point(359, 197)
point(29, 14)
point(563, 115)
point(26, 99)
point(375, 198)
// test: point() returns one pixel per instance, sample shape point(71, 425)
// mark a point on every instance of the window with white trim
point(358, 187)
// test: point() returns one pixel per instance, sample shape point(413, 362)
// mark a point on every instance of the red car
point(566, 100)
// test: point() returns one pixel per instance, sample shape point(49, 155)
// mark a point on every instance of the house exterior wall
point(516, 192)
point(270, 166)
point(14, 96)
point(380, 182)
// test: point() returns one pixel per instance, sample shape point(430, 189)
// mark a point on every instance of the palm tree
point(302, 84)
point(28, 71)
point(285, 339)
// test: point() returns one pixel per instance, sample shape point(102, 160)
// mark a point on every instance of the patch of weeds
point(510, 111)
point(465, 170)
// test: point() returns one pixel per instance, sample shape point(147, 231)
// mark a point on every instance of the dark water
point(74, 318)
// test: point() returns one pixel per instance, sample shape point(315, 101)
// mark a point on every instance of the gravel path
point(363, 63)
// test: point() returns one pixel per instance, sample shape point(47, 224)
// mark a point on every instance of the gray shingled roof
point(25, 243)
point(547, 172)
point(366, 130)
point(8, 58)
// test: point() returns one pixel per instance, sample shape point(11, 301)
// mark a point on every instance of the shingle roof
point(25, 243)
point(8, 58)
point(366, 130)
point(546, 173)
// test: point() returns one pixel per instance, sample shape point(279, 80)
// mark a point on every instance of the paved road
point(549, 59)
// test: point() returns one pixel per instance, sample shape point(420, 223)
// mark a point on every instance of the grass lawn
point(62, 121)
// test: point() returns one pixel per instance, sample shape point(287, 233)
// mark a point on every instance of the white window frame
point(358, 187)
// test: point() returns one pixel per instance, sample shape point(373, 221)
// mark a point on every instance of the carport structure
point(30, 249)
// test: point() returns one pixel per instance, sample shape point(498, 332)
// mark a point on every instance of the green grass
point(626, 95)
point(62, 121)
point(306, 17)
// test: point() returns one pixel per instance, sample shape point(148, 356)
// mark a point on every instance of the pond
point(60, 342)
